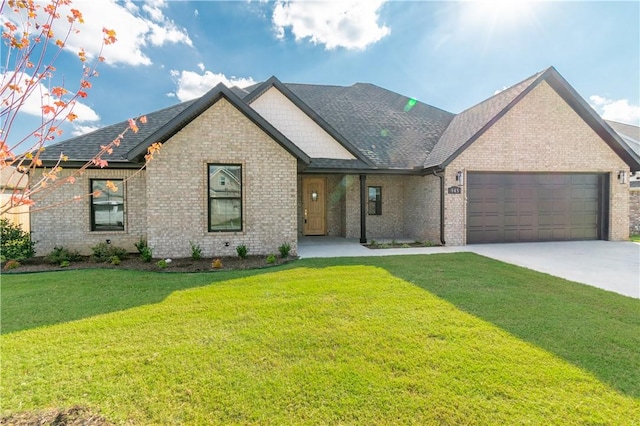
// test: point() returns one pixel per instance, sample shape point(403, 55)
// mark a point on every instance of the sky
point(448, 54)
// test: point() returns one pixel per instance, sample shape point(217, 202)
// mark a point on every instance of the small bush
point(196, 251)
point(284, 249)
point(373, 243)
point(271, 259)
point(428, 244)
point(65, 264)
point(141, 245)
point(115, 260)
point(11, 264)
point(216, 264)
point(146, 254)
point(15, 243)
point(405, 245)
point(161, 263)
point(242, 251)
point(103, 252)
point(61, 254)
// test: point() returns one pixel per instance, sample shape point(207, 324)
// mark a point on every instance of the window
point(225, 197)
point(107, 205)
point(375, 200)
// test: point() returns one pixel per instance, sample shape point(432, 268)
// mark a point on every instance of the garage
point(527, 207)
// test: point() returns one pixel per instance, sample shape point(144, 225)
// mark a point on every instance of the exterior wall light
point(314, 196)
point(460, 178)
point(622, 176)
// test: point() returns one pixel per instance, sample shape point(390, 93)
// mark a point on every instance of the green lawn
point(635, 238)
point(440, 339)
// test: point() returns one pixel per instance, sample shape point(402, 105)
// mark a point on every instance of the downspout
point(441, 206)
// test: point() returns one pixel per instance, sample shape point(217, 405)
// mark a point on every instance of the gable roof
point(470, 124)
point(161, 125)
point(258, 90)
point(385, 131)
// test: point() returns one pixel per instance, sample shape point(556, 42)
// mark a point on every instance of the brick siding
point(69, 225)
point(634, 211)
point(177, 205)
point(539, 134)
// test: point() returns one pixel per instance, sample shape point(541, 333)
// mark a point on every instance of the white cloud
point(40, 96)
point(616, 110)
point(201, 66)
point(351, 24)
point(136, 28)
point(79, 130)
point(193, 85)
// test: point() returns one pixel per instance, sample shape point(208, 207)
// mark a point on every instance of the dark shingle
point(469, 122)
point(85, 147)
point(391, 130)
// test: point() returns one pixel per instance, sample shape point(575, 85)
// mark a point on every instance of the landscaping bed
point(134, 262)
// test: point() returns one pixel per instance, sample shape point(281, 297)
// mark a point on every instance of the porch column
point(363, 209)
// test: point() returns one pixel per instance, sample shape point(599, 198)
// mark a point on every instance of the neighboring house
point(631, 136)
point(273, 162)
point(13, 182)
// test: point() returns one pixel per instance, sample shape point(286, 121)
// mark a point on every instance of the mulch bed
point(133, 262)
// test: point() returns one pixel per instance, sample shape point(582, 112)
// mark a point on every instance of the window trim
point(92, 211)
point(209, 197)
point(378, 201)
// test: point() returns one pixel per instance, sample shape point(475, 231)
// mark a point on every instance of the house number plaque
point(454, 190)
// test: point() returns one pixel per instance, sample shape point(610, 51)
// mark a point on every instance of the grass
point(396, 340)
point(635, 238)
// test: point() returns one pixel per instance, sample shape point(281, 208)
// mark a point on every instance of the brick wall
point(69, 225)
point(539, 134)
point(177, 187)
point(422, 208)
point(634, 211)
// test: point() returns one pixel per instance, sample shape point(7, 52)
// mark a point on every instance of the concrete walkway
point(613, 266)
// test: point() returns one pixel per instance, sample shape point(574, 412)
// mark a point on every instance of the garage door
point(519, 207)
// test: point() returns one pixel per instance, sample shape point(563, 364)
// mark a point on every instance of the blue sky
point(451, 55)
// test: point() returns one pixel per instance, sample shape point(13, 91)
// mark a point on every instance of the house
point(12, 182)
point(273, 162)
point(631, 135)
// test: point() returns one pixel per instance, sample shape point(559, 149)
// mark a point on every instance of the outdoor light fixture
point(622, 176)
point(314, 196)
point(460, 178)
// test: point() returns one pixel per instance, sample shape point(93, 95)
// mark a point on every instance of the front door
point(314, 206)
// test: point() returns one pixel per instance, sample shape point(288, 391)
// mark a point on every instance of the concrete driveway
point(613, 266)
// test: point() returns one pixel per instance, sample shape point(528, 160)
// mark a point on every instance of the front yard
point(439, 339)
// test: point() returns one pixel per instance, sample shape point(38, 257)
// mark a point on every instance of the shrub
point(15, 243)
point(271, 258)
point(216, 264)
point(61, 254)
point(284, 249)
point(103, 252)
point(11, 264)
point(141, 245)
point(428, 244)
point(64, 264)
point(161, 263)
point(115, 260)
point(242, 251)
point(196, 251)
point(146, 254)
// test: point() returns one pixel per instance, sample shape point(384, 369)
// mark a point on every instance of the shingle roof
point(468, 123)
point(83, 148)
point(629, 133)
point(389, 129)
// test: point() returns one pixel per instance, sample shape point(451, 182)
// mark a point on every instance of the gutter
point(441, 176)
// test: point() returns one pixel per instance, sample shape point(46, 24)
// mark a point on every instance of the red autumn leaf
point(71, 116)
point(60, 104)
point(82, 93)
point(143, 119)
point(58, 91)
point(48, 109)
point(85, 84)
